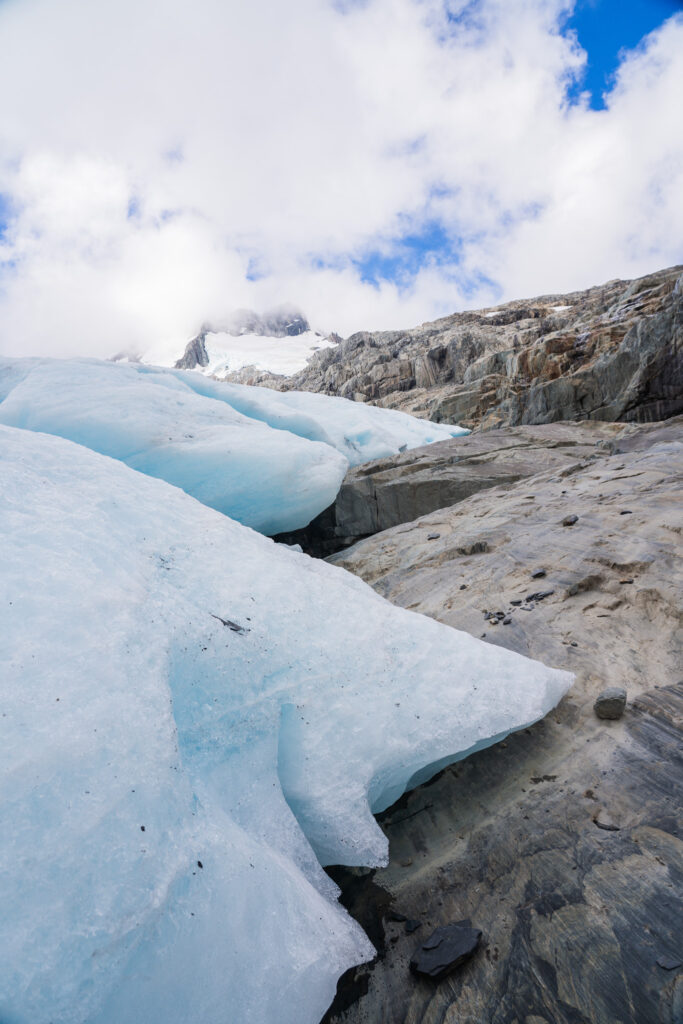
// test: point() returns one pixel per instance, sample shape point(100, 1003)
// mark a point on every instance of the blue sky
point(378, 163)
point(605, 28)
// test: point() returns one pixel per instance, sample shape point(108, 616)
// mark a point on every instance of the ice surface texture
point(214, 440)
point(189, 711)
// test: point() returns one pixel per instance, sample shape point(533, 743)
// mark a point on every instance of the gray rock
point(611, 702)
point(378, 495)
point(615, 352)
point(570, 520)
point(445, 949)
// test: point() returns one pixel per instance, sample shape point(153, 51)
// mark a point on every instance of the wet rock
point(610, 703)
point(445, 949)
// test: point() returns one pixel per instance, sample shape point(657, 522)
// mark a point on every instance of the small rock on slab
point(611, 702)
point(433, 536)
point(538, 575)
point(669, 963)
point(445, 949)
point(570, 520)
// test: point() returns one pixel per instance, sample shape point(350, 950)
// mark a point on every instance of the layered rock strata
point(611, 353)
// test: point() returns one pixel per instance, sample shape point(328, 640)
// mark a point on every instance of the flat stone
point(540, 595)
point(538, 575)
point(445, 949)
point(669, 963)
point(433, 536)
point(610, 703)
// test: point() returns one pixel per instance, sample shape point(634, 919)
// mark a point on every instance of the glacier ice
point(193, 718)
point(234, 448)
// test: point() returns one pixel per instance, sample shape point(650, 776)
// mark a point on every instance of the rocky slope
point(609, 353)
point(564, 844)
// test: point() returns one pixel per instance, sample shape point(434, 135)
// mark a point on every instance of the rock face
point(565, 842)
point(195, 353)
point(378, 495)
point(608, 353)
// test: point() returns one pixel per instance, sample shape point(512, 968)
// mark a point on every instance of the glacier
point(194, 719)
point(236, 449)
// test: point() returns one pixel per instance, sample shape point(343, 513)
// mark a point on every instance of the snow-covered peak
point(218, 353)
point(280, 341)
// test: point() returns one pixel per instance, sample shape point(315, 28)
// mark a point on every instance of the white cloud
point(154, 153)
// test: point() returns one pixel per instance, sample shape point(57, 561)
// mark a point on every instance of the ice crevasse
point(187, 733)
point(272, 461)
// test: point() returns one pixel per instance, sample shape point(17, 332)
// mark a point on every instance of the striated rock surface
point(608, 353)
point(378, 495)
point(564, 844)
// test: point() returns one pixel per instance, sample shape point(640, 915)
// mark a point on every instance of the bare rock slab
point(610, 703)
point(445, 949)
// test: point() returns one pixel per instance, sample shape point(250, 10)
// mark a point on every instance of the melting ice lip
point(234, 448)
point(246, 752)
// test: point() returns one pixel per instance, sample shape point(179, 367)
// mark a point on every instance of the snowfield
point(272, 461)
point(195, 718)
point(228, 352)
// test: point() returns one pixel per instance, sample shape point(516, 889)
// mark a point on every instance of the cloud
point(164, 163)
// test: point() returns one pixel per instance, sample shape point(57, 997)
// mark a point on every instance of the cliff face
point(609, 353)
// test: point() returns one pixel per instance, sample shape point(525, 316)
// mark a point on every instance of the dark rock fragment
point(570, 520)
point(234, 626)
point(669, 963)
point(412, 926)
point(540, 595)
point(516, 603)
point(507, 620)
point(445, 949)
point(433, 536)
point(610, 703)
point(539, 574)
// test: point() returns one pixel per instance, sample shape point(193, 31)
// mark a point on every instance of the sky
point(378, 163)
